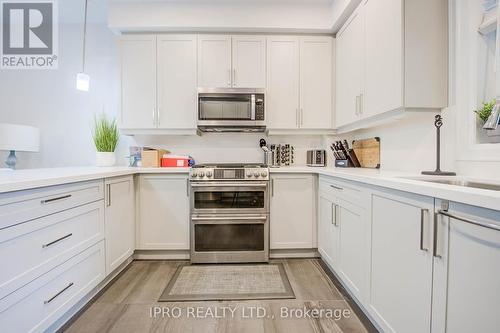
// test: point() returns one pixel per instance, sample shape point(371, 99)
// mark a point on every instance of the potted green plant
point(484, 114)
point(105, 137)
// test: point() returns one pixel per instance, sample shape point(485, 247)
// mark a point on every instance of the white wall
point(409, 144)
point(49, 100)
point(196, 15)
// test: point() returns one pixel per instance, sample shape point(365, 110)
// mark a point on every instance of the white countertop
point(34, 178)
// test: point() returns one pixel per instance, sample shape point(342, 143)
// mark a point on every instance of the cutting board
point(368, 152)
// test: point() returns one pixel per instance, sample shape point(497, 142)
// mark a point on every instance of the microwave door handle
point(252, 103)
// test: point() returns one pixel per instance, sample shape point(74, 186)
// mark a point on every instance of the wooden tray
point(368, 152)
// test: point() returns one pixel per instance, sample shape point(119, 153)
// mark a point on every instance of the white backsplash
point(227, 147)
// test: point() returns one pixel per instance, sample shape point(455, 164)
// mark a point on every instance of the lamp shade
point(19, 137)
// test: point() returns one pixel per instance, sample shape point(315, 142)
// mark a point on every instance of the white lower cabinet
point(467, 271)
point(401, 262)
point(163, 217)
point(119, 221)
point(343, 238)
point(328, 231)
point(293, 211)
point(36, 306)
point(353, 246)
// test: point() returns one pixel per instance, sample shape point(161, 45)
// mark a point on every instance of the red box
point(175, 161)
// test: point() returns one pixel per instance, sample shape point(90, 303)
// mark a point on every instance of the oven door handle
point(261, 219)
point(229, 185)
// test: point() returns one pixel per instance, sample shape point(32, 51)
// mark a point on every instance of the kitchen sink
point(457, 182)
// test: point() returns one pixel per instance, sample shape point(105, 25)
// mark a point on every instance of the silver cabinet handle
point(58, 294)
point(272, 187)
point(234, 77)
point(154, 116)
point(229, 77)
point(187, 187)
point(57, 240)
point(463, 219)
point(334, 214)
point(297, 117)
point(108, 196)
point(230, 218)
point(336, 187)
point(301, 116)
point(158, 117)
point(423, 212)
point(47, 201)
point(435, 242)
point(356, 111)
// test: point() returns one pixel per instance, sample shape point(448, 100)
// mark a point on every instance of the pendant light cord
point(84, 35)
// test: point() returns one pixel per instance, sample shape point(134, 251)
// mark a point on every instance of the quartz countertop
point(35, 178)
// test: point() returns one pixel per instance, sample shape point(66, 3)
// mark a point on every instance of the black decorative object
point(438, 123)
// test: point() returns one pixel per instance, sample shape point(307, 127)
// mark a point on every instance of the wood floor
point(129, 305)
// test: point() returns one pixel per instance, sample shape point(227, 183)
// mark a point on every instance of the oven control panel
point(208, 174)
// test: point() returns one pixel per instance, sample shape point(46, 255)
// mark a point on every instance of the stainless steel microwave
point(231, 110)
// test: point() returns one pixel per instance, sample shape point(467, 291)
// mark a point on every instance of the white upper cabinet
point(158, 84)
point(300, 82)
point(390, 59)
point(349, 70)
point(383, 56)
point(231, 62)
point(282, 98)
point(316, 86)
point(249, 61)
point(214, 61)
point(177, 94)
point(138, 81)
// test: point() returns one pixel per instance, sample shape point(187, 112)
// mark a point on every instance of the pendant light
point(83, 79)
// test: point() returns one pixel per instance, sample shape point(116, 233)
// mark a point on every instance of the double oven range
point(229, 213)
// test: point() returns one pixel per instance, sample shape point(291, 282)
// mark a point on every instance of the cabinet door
point(353, 251)
point(293, 212)
point(383, 56)
point(282, 97)
point(177, 88)
point(119, 221)
point(163, 213)
point(328, 230)
point(349, 70)
point(466, 272)
point(138, 81)
point(316, 88)
point(401, 265)
point(249, 61)
point(214, 61)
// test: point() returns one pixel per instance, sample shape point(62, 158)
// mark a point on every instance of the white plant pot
point(493, 132)
point(105, 159)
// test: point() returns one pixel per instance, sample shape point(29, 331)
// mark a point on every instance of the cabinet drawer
point(21, 206)
point(31, 249)
point(337, 188)
point(39, 304)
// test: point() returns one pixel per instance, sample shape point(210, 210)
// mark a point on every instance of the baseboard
point(358, 308)
point(76, 310)
point(185, 254)
point(161, 255)
point(294, 253)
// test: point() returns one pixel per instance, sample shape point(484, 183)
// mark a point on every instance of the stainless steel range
point(229, 213)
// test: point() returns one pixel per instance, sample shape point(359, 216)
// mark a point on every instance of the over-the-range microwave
point(231, 110)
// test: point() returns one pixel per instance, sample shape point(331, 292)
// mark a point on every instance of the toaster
point(316, 158)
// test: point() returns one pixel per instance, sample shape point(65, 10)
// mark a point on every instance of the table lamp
point(18, 138)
